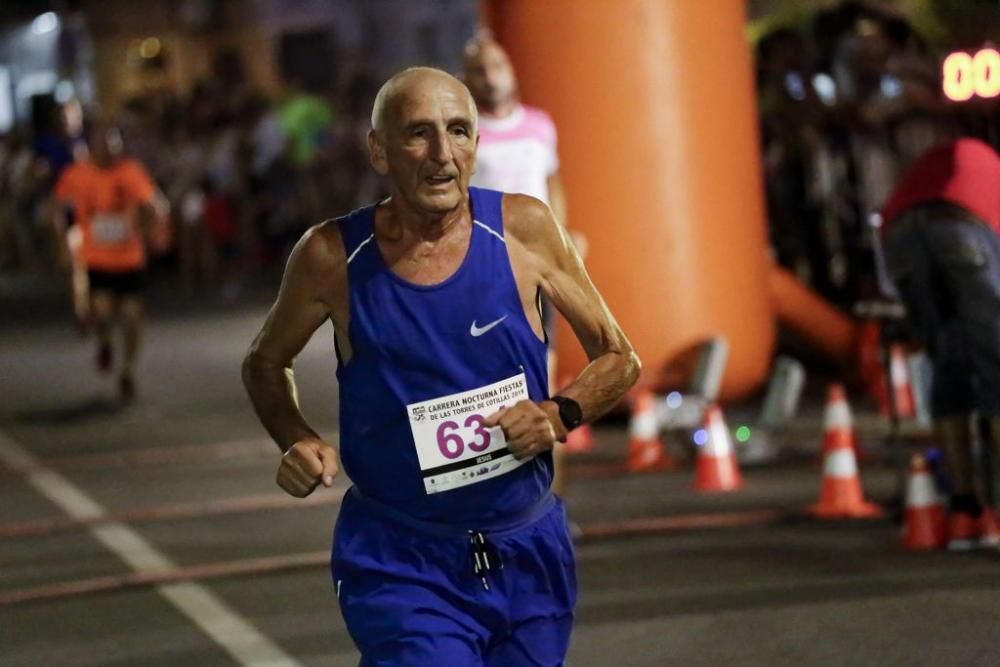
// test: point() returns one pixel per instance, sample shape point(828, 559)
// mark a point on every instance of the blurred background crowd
point(251, 117)
point(250, 147)
point(848, 99)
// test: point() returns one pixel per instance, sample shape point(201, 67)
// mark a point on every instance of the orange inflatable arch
point(658, 140)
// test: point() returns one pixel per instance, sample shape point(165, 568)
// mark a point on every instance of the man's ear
point(475, 161)
point(376, 153)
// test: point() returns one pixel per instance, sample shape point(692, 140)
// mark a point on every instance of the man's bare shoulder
point(530, 222)
point(320, 252)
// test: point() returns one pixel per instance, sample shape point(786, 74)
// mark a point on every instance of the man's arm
point(614, 366)
point(550, 260)
point(302, 307)
point(153, 207)
point(557, 197)
point(298, 312)
point(153, 218)
point(61, 204)
point(557, 202)
point(58, 226)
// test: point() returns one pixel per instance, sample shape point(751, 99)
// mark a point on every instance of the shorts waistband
point(494, 528)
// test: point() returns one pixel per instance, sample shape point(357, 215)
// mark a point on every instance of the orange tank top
point(105, 204)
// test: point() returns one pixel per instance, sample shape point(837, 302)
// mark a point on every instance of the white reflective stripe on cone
point(838, 414)
point(897, 368)
point(840, 463)
point(719, 443)
point(920, 491)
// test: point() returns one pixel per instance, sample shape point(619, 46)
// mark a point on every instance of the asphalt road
point(154, 534)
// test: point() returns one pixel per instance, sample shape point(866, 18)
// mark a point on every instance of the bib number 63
point(450, 440)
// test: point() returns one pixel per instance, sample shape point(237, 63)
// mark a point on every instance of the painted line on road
point(168, 455)
point(591, 470)
point(256, 566)
point(234, 633)
point(191, 573)
point(596, 599)
point(668, 524)
point(169, 512)
point(651, 592)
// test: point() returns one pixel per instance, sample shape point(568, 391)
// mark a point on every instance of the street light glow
point(45, 23)
point(150, 48)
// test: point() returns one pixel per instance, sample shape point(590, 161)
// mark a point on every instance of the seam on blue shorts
point(496, 528)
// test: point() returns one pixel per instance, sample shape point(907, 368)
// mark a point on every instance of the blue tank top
point(428, 363)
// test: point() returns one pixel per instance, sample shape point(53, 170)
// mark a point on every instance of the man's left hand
point(530, 428)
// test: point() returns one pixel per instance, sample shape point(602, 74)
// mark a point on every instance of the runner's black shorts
point(119, 283)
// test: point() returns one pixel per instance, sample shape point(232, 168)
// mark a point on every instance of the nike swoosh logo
point(479, 331)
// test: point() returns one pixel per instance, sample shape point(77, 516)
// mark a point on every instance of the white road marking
point(234, 633)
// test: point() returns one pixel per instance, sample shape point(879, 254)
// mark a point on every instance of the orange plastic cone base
point(840, 437)
point(717, 474)
point(911, 407)
point(900, 386)
point(925, 529)
point(834, 435)
point(989, 528)
point(645, 455)
point(963, 527)
point(580, 440)
point(645, 450)
point(904, 402)
point(841, 498)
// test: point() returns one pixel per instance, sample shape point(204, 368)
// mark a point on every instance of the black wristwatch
point(570, 412)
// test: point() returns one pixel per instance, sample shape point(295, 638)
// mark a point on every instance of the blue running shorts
point(419, 594)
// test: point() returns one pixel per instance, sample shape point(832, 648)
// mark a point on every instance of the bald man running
point(450, 548)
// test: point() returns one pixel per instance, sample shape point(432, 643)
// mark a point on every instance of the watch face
point(569, 412)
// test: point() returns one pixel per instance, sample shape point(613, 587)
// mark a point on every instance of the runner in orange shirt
point(114, 204)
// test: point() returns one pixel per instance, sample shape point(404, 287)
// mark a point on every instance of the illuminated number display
point(965, 76)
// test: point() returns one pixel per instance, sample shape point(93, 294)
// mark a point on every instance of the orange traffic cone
point(989, 528)
point(840, 495)
point(838, 421)
point(716, 468)
point(899, 381)
point(925, 523)
point(645, 451)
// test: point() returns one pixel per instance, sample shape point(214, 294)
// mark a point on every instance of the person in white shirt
point(517, 142)
point(517, 153)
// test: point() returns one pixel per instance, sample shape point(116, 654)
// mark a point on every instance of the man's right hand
point(307, 464)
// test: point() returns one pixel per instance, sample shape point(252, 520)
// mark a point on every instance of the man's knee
point(131, 309)
point(541, 642)
point(420, 638)
point(421, 651)
point(102, 304)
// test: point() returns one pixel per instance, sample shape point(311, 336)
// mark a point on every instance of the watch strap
point(570, 412)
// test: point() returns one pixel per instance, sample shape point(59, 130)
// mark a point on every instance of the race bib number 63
point(454, 446)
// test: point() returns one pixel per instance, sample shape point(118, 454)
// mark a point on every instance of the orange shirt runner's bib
point(105, 203)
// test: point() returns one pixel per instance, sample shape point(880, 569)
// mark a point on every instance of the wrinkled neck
point(401, 222)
